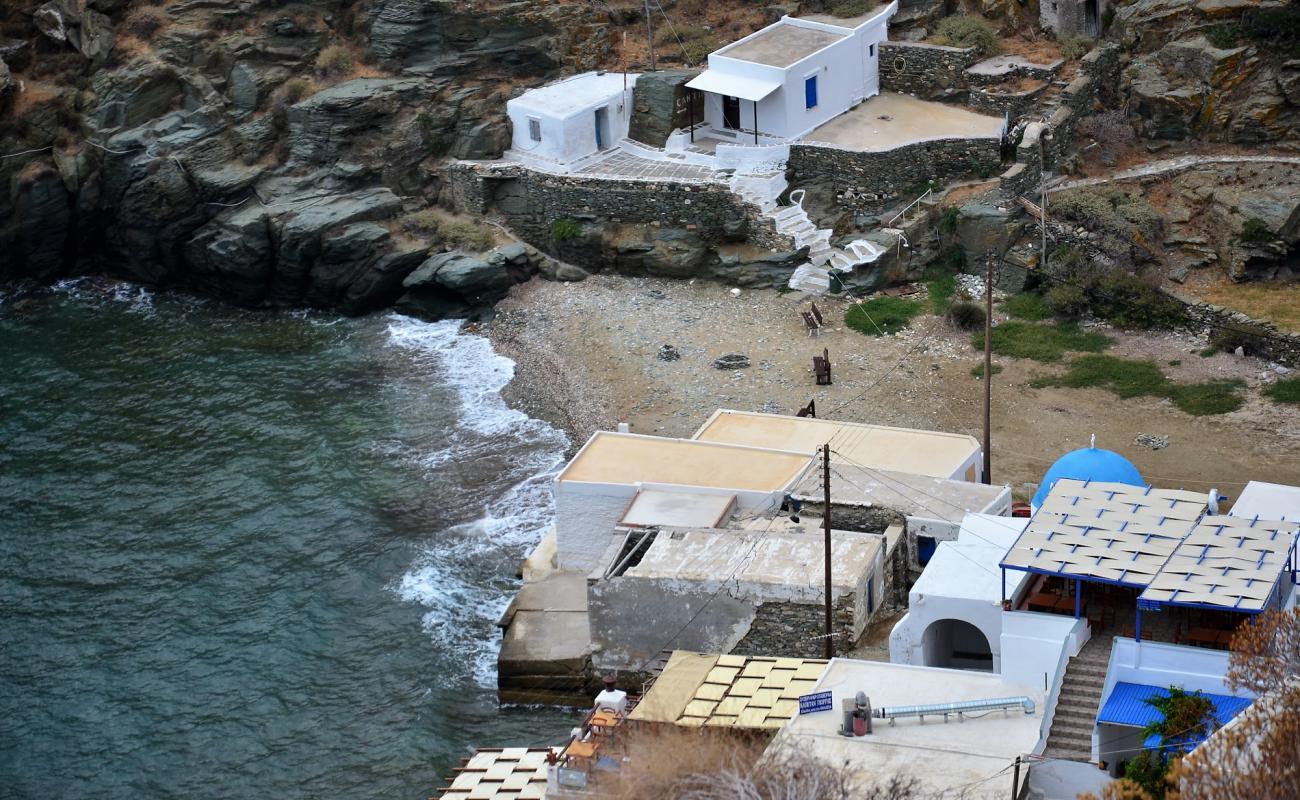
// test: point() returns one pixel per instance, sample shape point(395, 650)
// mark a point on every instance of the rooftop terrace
point(780, 45)
point(888, 121)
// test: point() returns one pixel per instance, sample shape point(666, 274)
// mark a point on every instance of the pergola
point(1158, 542)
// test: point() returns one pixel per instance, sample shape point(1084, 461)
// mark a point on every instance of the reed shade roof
point(1106, 531)
point(1229, 562)
point(511, 773)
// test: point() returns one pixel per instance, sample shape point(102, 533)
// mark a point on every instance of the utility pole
point(988, 365)
point(826, 527)
point(650, 34)
point(1042, 197)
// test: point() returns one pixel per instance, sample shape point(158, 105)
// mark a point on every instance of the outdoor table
point(1042, 601)
point(1203, 636)
point(604, 721)
point(582, 749)
point(1065, 605)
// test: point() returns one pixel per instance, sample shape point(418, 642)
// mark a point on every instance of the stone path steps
point(1173, 165)
point(1079, 702)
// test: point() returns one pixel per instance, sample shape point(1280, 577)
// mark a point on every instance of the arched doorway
point(956, 644)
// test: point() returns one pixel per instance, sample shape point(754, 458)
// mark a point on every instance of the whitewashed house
point(792, 76)
point(573, 119)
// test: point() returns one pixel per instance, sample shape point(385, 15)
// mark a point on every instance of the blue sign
point(1149, 605)
point(812, 703)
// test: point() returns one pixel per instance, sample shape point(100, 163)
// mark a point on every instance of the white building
point(565, 122)
point(790, 77)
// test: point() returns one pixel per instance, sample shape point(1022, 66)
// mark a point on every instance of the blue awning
point(1127, 705)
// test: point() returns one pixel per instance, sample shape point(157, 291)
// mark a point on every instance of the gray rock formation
point(660, 106)
point(83, 29)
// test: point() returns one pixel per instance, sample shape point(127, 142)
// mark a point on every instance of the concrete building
point(1073, 17)
point(954, 611)
point(1267, 501)
point(747, 591)
point(691, 480)
point(971, 758)
point(563, 123)
point(790, 77)
point(907, 450)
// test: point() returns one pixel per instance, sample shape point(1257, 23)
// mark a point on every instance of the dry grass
point(662, 758)
point(35, 93)
point(1276, 302)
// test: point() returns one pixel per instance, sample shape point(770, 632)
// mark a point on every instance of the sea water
point(252, 554)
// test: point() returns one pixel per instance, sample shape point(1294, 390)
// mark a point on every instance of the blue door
point(810, 92)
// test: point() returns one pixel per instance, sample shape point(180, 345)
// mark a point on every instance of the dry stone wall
point(795, 630)
point(926, 70)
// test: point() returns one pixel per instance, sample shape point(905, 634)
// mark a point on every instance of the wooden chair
point(822, 368)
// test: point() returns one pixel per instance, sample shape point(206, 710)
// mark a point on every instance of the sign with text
point(812, 703)
point(1149, 605)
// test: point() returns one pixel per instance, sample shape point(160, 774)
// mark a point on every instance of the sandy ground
point(587, 359)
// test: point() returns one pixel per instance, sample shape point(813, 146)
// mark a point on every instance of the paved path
point(1172, 165)
point(626, 166)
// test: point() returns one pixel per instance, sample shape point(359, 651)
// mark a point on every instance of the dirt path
point(587, 357)
point(1168, 165)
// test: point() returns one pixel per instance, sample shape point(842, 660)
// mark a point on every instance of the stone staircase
point(1079, 702)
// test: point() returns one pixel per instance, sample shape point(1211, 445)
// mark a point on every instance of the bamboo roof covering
point(511, 773)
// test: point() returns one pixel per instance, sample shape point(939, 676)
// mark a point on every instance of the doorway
point(602, 129)
point(1091, 21)
point(956, 644)
point(731, 113)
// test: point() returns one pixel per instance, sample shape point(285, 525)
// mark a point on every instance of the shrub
point(1067, 300)
point(1112, 133)
point(1248, 336)
point(948, 223)
point(1285, 391)
point(1207, 352)
point(1076, 47)
point(1204, 399)
point(464, 233)
point(1130, 378)
point(978, 369)
point(296, 89)
point(334, 61)
point(1224, 36)
point(1255, 230)
point(421, 223)
point(968, 31)
point(1129, 302)
point(565, 229)
point(143, 22)
point(1041, 342)
point(967, 316)
point(1027, 305)
point(881, 315)
point(851, 8)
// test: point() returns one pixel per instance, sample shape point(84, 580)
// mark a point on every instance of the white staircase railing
point(907, 208)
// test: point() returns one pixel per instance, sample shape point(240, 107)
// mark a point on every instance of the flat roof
point(909, 450)
point(678, 509)
point(1268, 501)
point(940, 756)
point(1225, 562)
point(781, 44)
point(629, 458)
point(889, 121)
point(968, 568)
point(910, 495)
point(1109, 532)
point(793, 561)
point(572, 95)
point(698, 689)
point(509, 773)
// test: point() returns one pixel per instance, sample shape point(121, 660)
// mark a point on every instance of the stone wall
point(795, 630)
point(1274, 345)
point(1016, 104)
point(869, 182)
point(1098, 74)
point(928, 71)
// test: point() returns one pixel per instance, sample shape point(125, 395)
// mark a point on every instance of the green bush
point(334, 61)
point(1076, 47)
point(1250, 337)
point(469, 235)
point(948, 223)
point(1041, 342)
point(978, 369)
point(1224, 36)
point(967, 316)
point(296, 89)
point(968, 31)
point(1121, 219)
point(1254, 231)
point(1129, 302)
point(1067, 300)
point(423, 222)
point(1285, 391)
point(1027, 305)
point(564, 229)
point(881, 315)
point(851, 8)
point(1131, 378)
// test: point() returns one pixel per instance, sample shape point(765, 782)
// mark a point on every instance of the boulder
point(130, 97)
point(1288, 81)
point(17, 53)
point(674, 253)
point(731, 361)
point(35, 224)
point(69, 22)
point(659, 106)
point(570, 273)
point(250, 83)
point(475, 280)
point(324, 126)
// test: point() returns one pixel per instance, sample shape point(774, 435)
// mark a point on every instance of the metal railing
point(908, 208)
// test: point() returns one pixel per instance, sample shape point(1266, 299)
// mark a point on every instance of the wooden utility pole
point(650, 34)
point(1042, 197)
point(826, 527)
point(988, 365)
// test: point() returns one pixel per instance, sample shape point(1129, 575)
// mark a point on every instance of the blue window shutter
point(810, 92)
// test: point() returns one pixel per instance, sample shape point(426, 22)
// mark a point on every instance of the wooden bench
point(822, 368)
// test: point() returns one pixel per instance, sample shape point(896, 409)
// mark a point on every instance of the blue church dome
point(1089, 464)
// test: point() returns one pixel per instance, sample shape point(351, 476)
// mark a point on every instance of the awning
point(734, 85)
point(1127, 705)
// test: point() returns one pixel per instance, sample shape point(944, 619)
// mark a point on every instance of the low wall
point(795, 630)
point(924, 70)
point(870, 181)
point(1277, 345)
point(998, 103)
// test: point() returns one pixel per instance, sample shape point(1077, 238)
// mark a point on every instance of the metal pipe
point(960, 707)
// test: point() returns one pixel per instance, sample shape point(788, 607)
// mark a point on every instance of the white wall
point(585, 516)
point(1032, 645)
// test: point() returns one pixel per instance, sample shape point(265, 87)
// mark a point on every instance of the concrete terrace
point(781, 45)
point(909, 121)
point(625, 166)
point(620, 458)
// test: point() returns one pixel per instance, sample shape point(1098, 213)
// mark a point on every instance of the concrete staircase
point(1079, 702)
point(814, 276)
